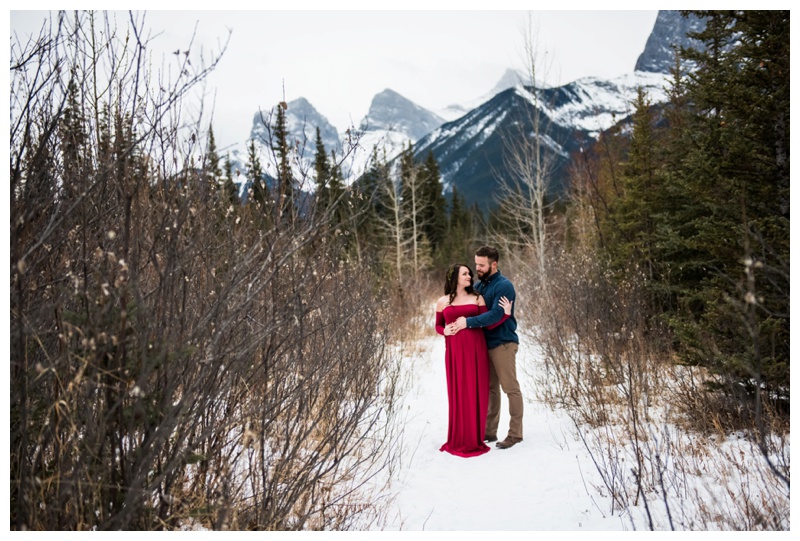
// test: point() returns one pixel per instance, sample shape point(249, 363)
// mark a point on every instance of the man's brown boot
point(510, 441)
point(490, 438)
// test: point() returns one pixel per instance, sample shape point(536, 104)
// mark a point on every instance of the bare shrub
point(175, 359)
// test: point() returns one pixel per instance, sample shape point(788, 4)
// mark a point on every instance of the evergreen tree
point(121, 147)
point(478, 223)
point(370, 186)
point(323, 174)
point(736, 175)
point(212, 157)
point(370, 211)
point(337, 195)
point(674, 222)
point(285, 178)
point(459, 231)
point(637, 205)
point(332, 202)
point(409, 183)
point(435, 208)
point(73, 142)
point(702, 205)
point(256, 176)
point(104, 137)
point(230, 186)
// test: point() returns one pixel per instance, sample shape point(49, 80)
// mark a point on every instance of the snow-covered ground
point(544, 483)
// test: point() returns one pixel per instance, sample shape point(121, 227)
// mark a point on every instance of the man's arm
point(494, 314)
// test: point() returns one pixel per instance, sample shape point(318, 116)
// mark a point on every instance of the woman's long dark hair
point(451, 281)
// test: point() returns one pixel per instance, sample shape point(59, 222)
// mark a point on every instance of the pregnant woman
point(466, 361)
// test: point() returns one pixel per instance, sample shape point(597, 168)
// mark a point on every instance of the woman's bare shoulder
point(481, 302)
point(443, 301)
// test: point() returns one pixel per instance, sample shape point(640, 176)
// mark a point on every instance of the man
point(502, 342)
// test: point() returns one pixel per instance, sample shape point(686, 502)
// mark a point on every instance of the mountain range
point(469, 140)
point(470, 151)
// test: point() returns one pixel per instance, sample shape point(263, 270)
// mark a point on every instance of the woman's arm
point(440, 306)
point(440, 323)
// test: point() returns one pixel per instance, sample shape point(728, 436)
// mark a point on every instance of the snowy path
point(536, 485)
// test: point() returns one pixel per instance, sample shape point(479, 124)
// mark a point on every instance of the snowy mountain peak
point(302, 121)
point(592, 105)
point(512, 78)
point(390, 111)
point(509, 79)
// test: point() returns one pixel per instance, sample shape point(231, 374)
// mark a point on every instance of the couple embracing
point(481, 345)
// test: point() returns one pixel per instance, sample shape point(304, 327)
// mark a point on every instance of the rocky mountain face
point(392, 122)
point(390, 111)
point(669, 32)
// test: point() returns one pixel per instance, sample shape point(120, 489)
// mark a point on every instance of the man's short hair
point(488, 251)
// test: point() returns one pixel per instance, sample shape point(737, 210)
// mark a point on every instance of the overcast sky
point(339, 60)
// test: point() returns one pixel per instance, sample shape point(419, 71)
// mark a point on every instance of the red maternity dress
point(467, 364)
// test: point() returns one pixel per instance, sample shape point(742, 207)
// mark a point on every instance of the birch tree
point(415, 204)
point(529, 163)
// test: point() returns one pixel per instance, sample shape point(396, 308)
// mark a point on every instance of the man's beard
point(480, 274)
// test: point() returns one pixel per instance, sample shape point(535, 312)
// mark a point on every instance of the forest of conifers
point(695, 197)
point(180, 350)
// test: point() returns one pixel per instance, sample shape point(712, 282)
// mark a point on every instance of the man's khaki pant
point(503, 373)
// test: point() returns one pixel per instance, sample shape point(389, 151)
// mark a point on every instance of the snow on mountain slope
point(596, 104)
point(389, 144)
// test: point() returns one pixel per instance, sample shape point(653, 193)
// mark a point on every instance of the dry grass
point(671, 450)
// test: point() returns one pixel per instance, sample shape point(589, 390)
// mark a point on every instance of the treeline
point(179, 355)
point(395, 213)
point(393, 220)
point(696, 198)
